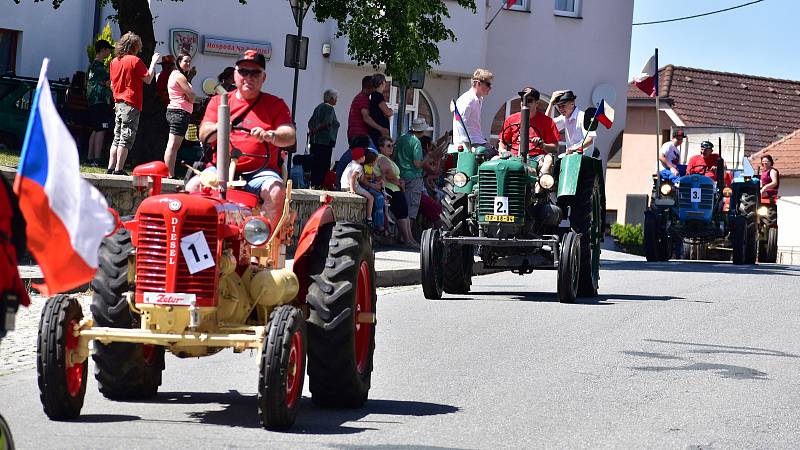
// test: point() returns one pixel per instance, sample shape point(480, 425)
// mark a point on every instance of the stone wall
point(121, 196)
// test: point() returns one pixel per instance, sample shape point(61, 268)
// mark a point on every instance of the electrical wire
point(697, 15)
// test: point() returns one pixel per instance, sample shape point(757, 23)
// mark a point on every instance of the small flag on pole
point(510, 3)
point(604, 114)
point(646, 81)
point(66, 216)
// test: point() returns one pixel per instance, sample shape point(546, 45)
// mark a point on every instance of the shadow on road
point(702, 267)
point(240, 410)
point(600, 300)
point(105, 418)
point(723, 370)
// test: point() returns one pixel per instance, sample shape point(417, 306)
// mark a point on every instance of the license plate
point(160, 298)
point(492, 218)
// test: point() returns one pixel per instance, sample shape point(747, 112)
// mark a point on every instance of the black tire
point(569, 268)
point(6, 439)
point(651, 240)
point(585, 219)
point(771, 247)
point(122, 370)
point(62, 385)
point(340, 346)
point(282, 371)
point(739, 239)
point(430, 262)
point(458, 259)
point(695, 251)
point(748, 208)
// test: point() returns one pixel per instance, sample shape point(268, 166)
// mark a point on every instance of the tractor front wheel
point(282, 371)
point(586, 219)
point(62, 383)
point(341, 323)
point(569, 265)
point(430, 261)
point(122, 370)
point(769, 253)
point(748, 208)
point(739, 239)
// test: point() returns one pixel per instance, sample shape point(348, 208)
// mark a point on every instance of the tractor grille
point(513, 188)
point(706, 197)
point(152, 258)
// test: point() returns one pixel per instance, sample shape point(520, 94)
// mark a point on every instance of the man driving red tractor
point(706, 163)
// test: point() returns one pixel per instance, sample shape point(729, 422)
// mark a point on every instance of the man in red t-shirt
point(542, 132)
point(265, 127)
point(706, 163)
point(128, 73)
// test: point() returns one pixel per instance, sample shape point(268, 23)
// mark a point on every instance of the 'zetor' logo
point(168, 299)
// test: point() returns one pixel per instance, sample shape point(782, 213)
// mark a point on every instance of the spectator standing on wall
point(98, 96)
point(358, 119)
point(179, 109)
point(323, 128)
point(128, 73)
point(167, 67)
point(409, 158)
point(379, 111)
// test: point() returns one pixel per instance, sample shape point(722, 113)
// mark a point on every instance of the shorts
point(397, 204)
point(413, 192)
point(101, 116)
point(178, 121)
point(126, 122)
point(257, 181)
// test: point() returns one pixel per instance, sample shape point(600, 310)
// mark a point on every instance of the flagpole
point(494, 16)
point(658, 115)
point(591, 124)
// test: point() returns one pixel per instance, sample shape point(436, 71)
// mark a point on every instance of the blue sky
point(760, 39)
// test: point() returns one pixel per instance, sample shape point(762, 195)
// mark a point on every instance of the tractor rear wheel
point(586, 219)
point(770, 254)
point(122, 370)
point(283, 368)
point(569, 265)
point(431, 270)
point(748, 208)
point(457, 259)
point(341, 323)
point(62, 384)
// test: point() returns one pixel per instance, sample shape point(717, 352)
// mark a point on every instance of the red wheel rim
point(74, 372)
point(149, 353)
point(363, 305)
point(294, 371)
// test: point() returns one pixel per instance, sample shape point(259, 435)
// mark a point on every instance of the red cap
point(253, 57)
point(358, 153)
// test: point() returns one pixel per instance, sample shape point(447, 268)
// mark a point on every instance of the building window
point(418, 104)
point(8, 50)
point(567, 8)
point(521, 5)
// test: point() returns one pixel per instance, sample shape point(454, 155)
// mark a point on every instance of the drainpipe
point(98, 10)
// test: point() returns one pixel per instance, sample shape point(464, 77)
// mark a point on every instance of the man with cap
point(266, 126)
point(469, 105)
point(570, 121)
point(408, 156)
point(706, 163)
point(670, 157)
point(167, 66)
point(542, 133)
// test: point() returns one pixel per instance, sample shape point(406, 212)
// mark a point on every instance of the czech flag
point(604, 114)
point(66, 216)
point(646, 80)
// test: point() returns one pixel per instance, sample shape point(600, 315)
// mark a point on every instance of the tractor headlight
point(666, 189)
point(256, 231)
point(547, 181)
point(763, 211)
point(727, 192)
point(460, 179)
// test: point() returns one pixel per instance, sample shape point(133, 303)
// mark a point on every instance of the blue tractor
point(698, 212)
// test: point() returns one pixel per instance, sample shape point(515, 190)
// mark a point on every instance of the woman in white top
point(179, 109)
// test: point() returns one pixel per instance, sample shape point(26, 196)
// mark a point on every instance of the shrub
point(630, 237)
point(105, 34)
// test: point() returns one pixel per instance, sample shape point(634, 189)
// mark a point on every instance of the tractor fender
point(308, 239)
point(569, 174)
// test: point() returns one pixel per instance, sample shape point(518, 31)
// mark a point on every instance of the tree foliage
point(105, 35)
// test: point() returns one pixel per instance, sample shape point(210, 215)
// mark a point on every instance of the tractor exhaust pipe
point(524, 120)
point(223, 143)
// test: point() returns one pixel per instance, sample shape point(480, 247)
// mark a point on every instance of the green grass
point(10, 158)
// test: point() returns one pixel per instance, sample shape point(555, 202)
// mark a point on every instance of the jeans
point(378, 216)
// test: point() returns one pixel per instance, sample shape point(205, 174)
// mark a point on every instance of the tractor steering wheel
point(515, 127)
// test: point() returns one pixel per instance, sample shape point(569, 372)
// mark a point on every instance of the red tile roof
point(766, 108)
point(785, 152)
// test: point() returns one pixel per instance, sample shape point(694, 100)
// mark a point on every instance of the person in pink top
point(128, 72)
point(179, 109)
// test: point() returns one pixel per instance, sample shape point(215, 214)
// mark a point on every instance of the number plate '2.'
point(696, 195)
point(196, 252)
point(501, 206)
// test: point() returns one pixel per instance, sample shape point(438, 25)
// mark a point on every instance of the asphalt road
point(670, 355)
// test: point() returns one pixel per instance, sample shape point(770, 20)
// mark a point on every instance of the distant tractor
point(508, 214)
point(193, 274)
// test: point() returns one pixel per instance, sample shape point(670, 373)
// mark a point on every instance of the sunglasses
point(250, 72)
point(487, 84)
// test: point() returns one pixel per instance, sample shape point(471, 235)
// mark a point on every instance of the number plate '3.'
point(196, 252)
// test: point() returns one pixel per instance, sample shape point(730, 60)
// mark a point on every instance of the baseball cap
point(357, 153)
point(706, 144)
point(565, 97)
point(678, 134)
point(253, 57)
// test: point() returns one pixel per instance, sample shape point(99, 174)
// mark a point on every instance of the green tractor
point(515, 219)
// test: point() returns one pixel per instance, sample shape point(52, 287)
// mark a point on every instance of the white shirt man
point(469, 106)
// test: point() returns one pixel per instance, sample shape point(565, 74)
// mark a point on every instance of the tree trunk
point(151, 138)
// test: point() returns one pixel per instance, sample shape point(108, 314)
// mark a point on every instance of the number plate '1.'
point(491, 218)
point(196, 252)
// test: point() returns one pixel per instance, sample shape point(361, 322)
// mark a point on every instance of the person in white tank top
point(179, 109)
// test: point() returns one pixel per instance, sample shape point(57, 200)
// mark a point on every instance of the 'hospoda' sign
point(232, 47)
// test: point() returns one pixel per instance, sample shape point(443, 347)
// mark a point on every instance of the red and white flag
point(646, 81)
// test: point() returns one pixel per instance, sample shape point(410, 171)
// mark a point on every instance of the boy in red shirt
point(542, 132)
point(128, 73)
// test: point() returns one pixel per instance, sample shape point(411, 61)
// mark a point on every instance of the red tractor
point(181, 277)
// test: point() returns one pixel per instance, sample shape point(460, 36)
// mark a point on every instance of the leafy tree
point(106, 36)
